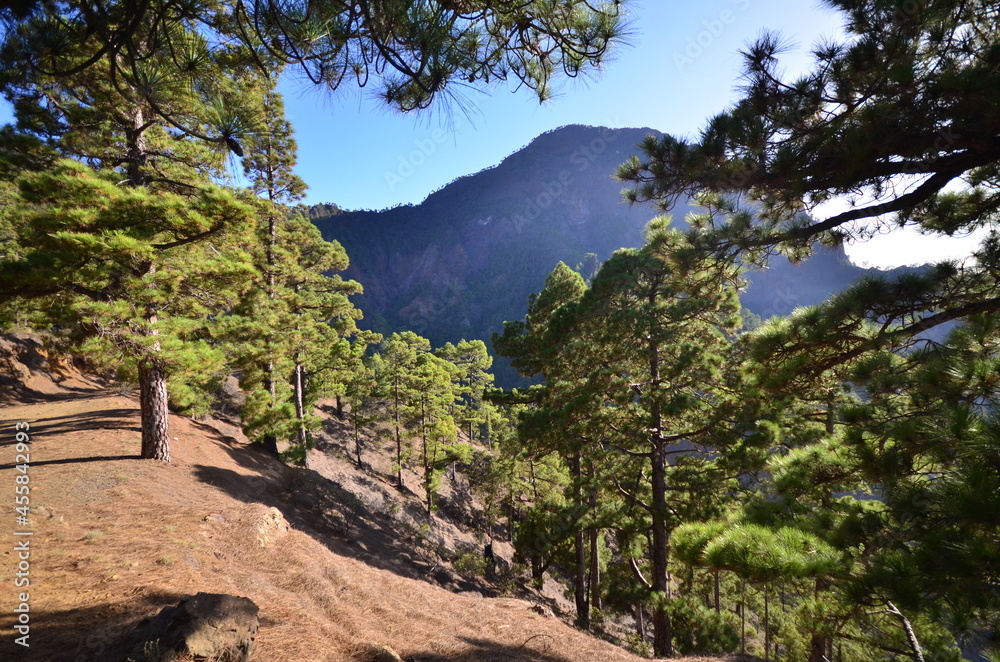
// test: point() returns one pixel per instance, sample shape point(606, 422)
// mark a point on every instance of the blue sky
point(682, 67)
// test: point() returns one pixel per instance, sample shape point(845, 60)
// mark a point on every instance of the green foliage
point(133, 248)
point(471, 563)
point(103, 256)
point(899, 485)
point(470, 363)
point(412, 52)
point(425, 392)
point(636, 645)
point(760, 554)
point(634, 375)
point(699, 629)
point(689, 541)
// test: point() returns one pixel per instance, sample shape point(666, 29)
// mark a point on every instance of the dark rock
point(542, 610)
point(444, 577)
point(207, 626)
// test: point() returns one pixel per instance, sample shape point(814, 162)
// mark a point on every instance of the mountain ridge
point(466, 259)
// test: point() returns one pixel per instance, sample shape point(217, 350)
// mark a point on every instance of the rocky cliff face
point(466, 259)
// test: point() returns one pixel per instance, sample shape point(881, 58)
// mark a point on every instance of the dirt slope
point(116, 538)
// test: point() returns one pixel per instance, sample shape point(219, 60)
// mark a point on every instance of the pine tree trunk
point(427, 462)
point(717, 593)
point(270, 383)
point(137, 153)
point(580, 549)
point(153, 412)
point(767, 623)
point(662, 635)
point(537, 567)
point(399, 440)
point(595, 569)
point(537, 571)
point(510, 517)
point(488, 431)
point(270, 439)
point(640, 624)
point(818, 644)
point(821, 647)
point(595, 551)
point(300, 410)
point(357, 441)
point(743, 617)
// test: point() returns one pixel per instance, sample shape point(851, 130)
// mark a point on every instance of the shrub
point(471, 564)
point(634, 644)
point(699, 629)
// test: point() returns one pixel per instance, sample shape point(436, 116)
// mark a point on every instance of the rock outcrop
point(206, 626)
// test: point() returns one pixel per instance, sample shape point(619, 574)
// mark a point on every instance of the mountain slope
point(116, 538)
point(465, 260)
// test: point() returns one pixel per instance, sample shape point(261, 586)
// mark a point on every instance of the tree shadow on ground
point(533, 649)
point(104, 419)
point(332, 515)
point(338, 520)
point(76, 460)
point(71, 635)
point(13, 392)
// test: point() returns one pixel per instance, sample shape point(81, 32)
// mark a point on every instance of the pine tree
point(394, 366)
point(108, 86)
point(414, 52)
point(322, 338)
point(893, 116)
point(123, 269)
point(471, 378)
point(359, 394)
point(557, 423)
point(111, 124)
point(431, 383)
point(657, 320)
point(926, 437)
point(634, 386)
point(268, 167)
